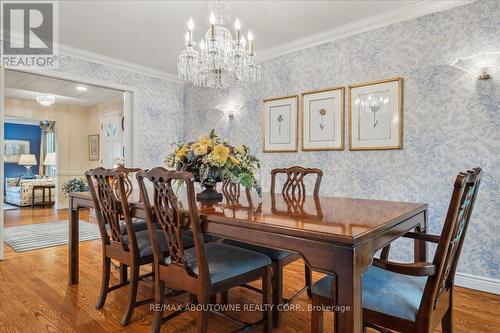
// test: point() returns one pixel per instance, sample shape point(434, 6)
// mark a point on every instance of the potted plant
point(75, 185)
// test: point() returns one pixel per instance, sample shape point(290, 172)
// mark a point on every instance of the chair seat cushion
point(144, 244)
point(274, 254)
point(226, 261)
point(139, 225)
point(386, 292)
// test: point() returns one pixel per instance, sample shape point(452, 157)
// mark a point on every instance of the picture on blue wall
point(13, 149)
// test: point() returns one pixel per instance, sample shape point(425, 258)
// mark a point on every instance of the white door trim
point(2, 72)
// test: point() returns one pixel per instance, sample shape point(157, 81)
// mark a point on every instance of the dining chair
point(139, 224)
point(294, 188)
point(412, 297)
point(122, 240)
point(203, 270)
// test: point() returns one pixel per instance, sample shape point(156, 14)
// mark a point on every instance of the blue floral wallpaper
point(159, 118)
point(451, 119)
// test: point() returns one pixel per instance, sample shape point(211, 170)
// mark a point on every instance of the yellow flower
point(204, 141)
point(219, 154)
point(241, 149)
point(181, 153)
point(234, 160)
point(200, 149)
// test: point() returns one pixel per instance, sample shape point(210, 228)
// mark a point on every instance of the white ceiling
point(26, 86)
point(151, 33)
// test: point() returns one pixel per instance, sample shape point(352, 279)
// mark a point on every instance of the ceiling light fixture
point(222, 58)
point(45, 99)
point(81, 88)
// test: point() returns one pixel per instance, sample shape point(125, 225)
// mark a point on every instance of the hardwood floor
point(35, 295)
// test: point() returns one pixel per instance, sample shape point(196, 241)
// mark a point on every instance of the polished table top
point(336, 219)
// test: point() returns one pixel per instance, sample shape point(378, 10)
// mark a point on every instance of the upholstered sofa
point(18, 191)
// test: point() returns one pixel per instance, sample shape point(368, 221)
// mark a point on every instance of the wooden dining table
point(334, 235)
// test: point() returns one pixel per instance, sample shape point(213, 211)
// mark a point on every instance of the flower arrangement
point(75, 185)
point(212, 159)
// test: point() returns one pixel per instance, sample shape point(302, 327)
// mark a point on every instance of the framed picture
point(376, 115)
point(280, 124)
point(323, 119)
point(12, 150)
point(94, 147)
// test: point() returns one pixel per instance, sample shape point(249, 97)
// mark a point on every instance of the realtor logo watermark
point(29, 34)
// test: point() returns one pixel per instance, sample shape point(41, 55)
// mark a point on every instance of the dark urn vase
point(209, 194)
point(210, 184)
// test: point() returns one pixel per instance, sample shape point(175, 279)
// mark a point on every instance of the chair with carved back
point(413, 297)
point(293, 188)
point(139, 224)
point(203, 270)
point(121, 239)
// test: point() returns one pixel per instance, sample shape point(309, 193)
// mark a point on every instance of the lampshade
point(50, 159)
point(27, 159)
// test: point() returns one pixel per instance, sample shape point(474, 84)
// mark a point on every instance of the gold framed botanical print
point(323, 119)
point(280, 124)
point(376, 115)
point(94, 147)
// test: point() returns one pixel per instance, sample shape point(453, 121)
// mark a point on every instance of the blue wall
point(22, 132)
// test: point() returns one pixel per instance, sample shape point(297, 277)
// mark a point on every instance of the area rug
point(7, 206)
point(41, 235)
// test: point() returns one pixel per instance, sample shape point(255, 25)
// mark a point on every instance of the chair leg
point(224, 297)
point(159, 295)
point(266, 300)
point(447, 322)
point(277, 283)
point(133, 285)
point(308, 278)
point(316, 315)
point(202, 318)
point(106, 272)
point(123, 273)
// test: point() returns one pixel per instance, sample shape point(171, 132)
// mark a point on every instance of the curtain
point(47, 145)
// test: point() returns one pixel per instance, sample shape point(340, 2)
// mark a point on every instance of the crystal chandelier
point(45, 99)
point(220, 59)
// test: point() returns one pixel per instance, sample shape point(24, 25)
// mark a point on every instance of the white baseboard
point(478, 283)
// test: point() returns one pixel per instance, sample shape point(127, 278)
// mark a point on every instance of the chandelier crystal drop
point(45, 99)
point(222, 57)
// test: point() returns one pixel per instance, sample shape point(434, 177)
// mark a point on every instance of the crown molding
point(420, 8)
point(116, 63)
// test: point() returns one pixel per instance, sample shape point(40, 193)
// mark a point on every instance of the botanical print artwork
point(279, 118)
point(94, 147)
point(373, 115)
point(13, 149)
point(280, 124)
point(375, 111)
point(322, 113)
point(323, 119)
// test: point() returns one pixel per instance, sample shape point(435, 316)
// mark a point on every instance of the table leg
point(420, 246)
point(73, 242)
point(348, 294)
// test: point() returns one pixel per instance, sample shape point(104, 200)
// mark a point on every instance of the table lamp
point(50, 159)
point(28, 160)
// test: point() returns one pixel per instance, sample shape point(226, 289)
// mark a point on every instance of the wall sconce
point(481, 65)
point(230, 109)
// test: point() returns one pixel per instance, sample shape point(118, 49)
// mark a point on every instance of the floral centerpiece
point(211, 160)
point(75, 185)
